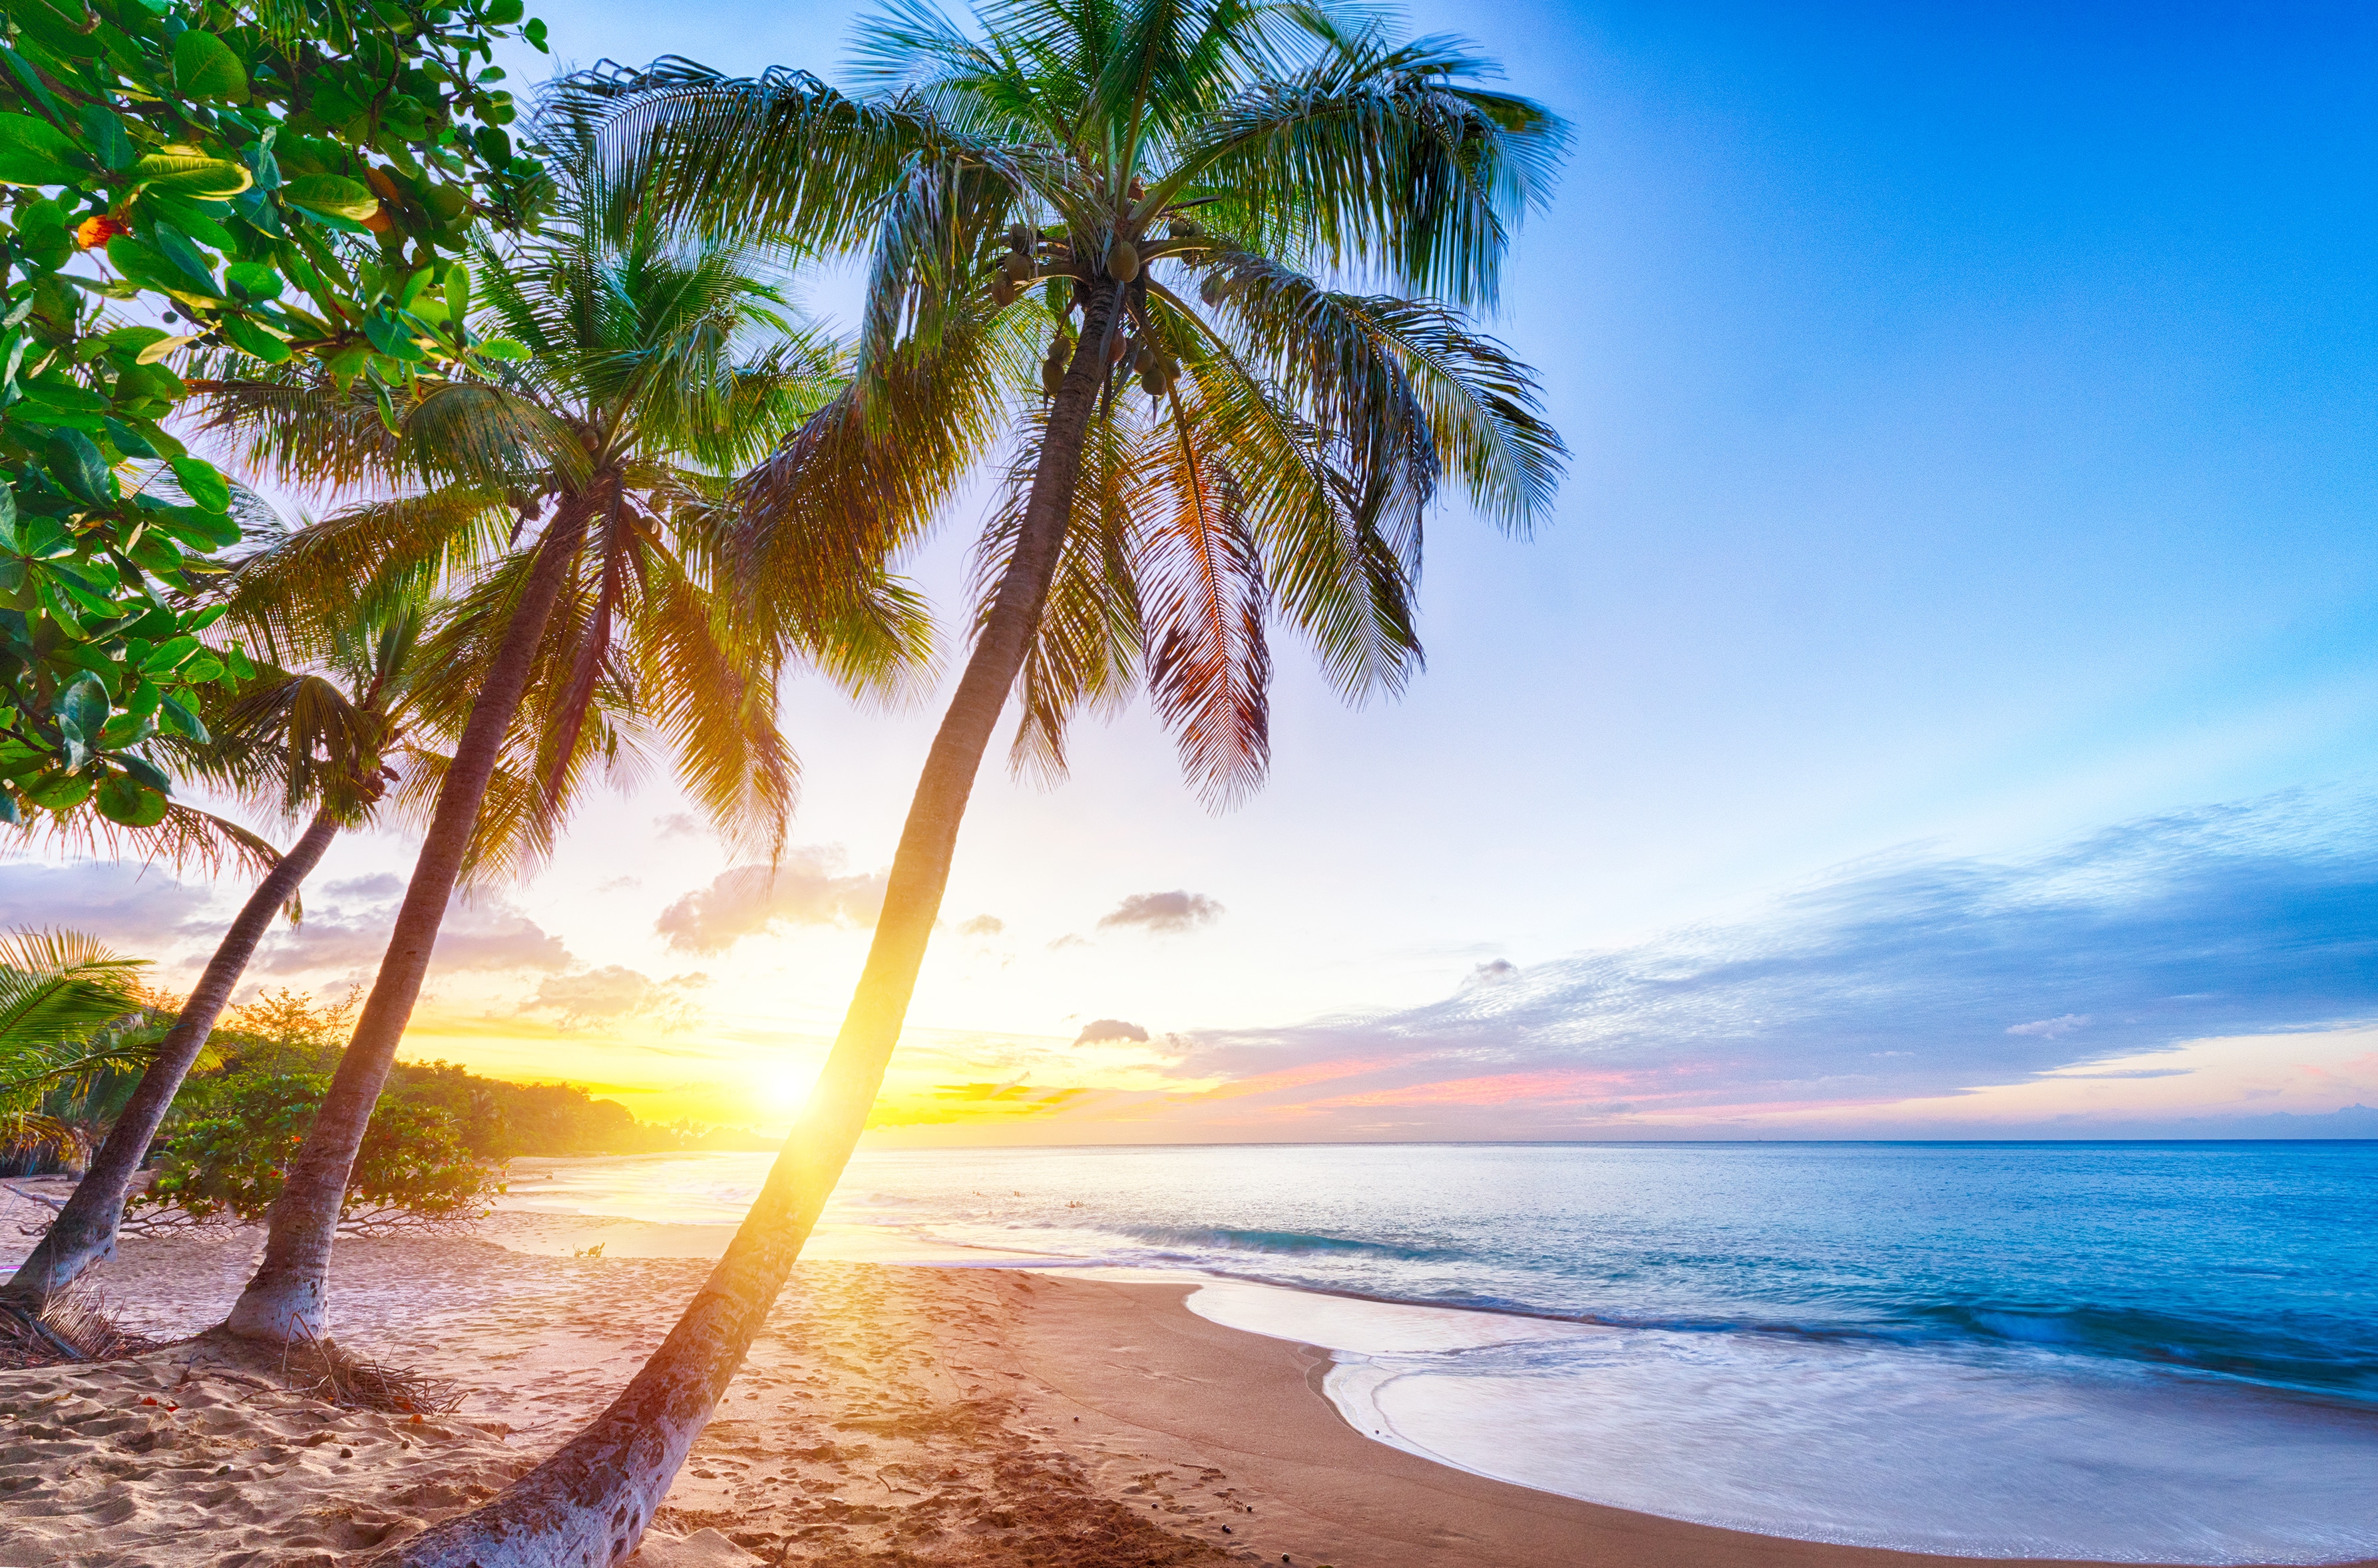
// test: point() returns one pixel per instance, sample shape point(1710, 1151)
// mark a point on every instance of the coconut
point(1053, 376)
point(1182, 229)
point(1144, 359)
point(1019, 240)
point(1152, 384)
point(1005, 292)
point(1123, 261)
point(1118, 348)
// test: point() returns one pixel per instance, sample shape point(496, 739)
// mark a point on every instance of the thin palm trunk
point(84, 1231)
point(288, 1298)
point(591, 1502)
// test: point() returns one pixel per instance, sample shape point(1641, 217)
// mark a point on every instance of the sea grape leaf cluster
point(267, 179)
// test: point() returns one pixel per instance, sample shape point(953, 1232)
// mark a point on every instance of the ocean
point(2130, 1352)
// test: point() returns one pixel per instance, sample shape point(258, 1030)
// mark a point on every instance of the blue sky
point(1972, 410)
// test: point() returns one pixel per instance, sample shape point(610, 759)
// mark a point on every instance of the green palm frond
point(1302, 431)
point(58, 986)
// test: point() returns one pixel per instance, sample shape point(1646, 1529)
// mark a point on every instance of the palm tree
point(1175, 174)
point(570, 496)
point(312, 737)
point(57, 989)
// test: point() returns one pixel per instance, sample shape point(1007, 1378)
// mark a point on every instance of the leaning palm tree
point(567, 501)
point(316, 735)
point(1177, 196)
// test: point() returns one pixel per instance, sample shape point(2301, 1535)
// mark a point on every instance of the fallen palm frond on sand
point(74, 1326)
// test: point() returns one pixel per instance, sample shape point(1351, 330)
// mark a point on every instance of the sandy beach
point(890, 1414)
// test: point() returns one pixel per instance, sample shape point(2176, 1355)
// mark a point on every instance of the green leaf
point(127, 441)
point(202, 530)
point(185, 170)
point(171, 716)
point(204, 67)
point(169, 655)
point(502, 348)
point(147, 772)
point(202, 484)
point(148, 265)
point(103, 134)
point(255, 279)
point(124, 799)
point(81, 707)
point(176, 247)
point(75, 461)
point(332, 194)
point(59, 791)
point(251, 339)
point(34, 152)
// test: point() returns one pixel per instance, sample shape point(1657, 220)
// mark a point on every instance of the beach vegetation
point(278, 179)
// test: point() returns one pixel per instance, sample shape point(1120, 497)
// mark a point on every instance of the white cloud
point(1164, 912)
point(2050, 1028)
point(803, 890)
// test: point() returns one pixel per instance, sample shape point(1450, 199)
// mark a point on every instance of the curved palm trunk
point(84, 1231)
point(287, 1299)
point(590, 1502)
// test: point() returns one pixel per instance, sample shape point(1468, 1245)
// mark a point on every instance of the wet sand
point(888, 1415)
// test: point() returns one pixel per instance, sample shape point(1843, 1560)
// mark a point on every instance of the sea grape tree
point(275, 178)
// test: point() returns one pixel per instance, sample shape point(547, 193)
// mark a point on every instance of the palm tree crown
point(1237, 174)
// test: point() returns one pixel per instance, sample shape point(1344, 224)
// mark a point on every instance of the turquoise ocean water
point(2134, 1352)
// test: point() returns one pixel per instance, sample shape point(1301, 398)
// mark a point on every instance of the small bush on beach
point(232, 1156)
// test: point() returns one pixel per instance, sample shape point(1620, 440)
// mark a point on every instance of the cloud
point(1103, 1030)
point(2051, 1028)
point(982, 926)
point(677, 824)
point(1892, 979)
point(1164, 912)
point(1487, 974)
point(615, 992)
point(384, 886)
point(345, 932)
point(139, 912)
point(803, 890)
point(1068, 941)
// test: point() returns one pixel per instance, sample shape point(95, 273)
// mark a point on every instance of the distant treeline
point(279, 1052)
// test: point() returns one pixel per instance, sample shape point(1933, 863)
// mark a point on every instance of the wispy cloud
point(1892, 979)
point(1169, 913)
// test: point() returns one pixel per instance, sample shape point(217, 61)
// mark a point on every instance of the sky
point(1944, 703)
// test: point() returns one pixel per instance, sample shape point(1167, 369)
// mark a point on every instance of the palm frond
point(57, 986)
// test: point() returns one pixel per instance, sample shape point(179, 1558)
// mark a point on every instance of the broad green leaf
point(251, 339)
point(104, 134)
point(202, 484)
point(171, 716)
point(185, 170)
point(59, 791)
point(34, 152)
point(126, 801)
point(81, 707)
point(204, 67)
point(333, 194)
point(254, 279)
point(76, 463)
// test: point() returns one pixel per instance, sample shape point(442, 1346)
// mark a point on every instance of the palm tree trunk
point(589, 1503)
point(84, 1231)
point(288, 1298)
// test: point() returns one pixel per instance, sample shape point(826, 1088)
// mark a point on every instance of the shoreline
point(889, 1414)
